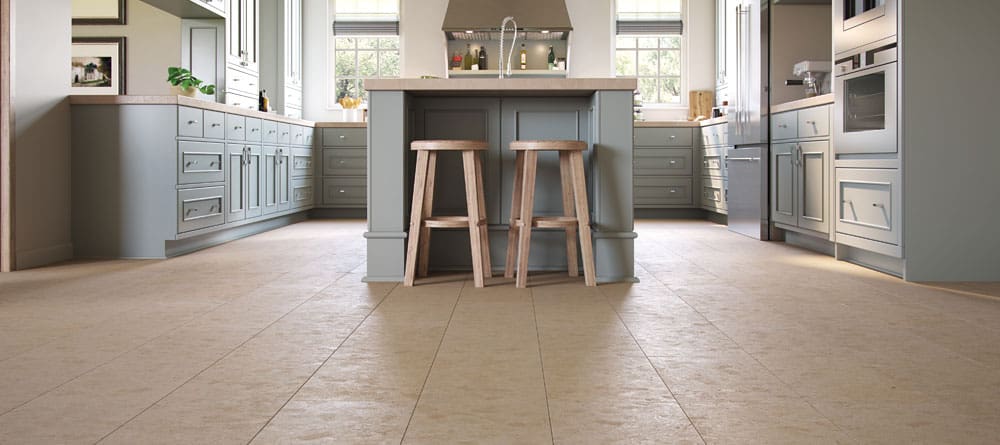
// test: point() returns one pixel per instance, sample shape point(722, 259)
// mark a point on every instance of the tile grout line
point(216, 361)
point(651, 365)
point(321, 365)
point(541, 362)
point(431, 367)
point(186, 322)
point(738, 345)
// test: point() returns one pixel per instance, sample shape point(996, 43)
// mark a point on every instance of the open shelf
point(516, 73)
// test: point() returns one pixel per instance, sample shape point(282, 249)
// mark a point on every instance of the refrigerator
point(748, 157)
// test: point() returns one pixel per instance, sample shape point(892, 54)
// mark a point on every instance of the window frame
point(684, 54)
point(332, 51)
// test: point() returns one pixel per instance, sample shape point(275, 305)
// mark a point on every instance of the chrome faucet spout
point(503, 30)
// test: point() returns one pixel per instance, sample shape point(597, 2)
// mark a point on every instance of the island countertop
point(518, 86)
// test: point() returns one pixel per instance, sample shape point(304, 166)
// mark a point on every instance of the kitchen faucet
point(503, 29)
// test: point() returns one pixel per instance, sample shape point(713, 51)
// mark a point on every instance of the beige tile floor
point(275, 339)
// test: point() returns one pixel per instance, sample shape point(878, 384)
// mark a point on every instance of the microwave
point(860, 22)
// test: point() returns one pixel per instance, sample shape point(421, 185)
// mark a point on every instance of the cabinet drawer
point(302, 192)
point(215, 125)
point(344, 137)
point(293, 98)
point(302, 162)
point(713, 193)
point(241, 82)
point(345, 162)
point(814, 122)
point(784, 125)
point(663, 137)
point(309, 132)
point(269, 132)
point(298, 135)
point(869, 204)
point(713, 162)
point(293, 112)
point(662, 162)
point(190, 122)
point(244, 101)
point(199, 208)
point(253, 130)
point(199, 162)
point(345, 191)
point(715, 135)
point(653, 191)
point(236, 127)
point(284, 133)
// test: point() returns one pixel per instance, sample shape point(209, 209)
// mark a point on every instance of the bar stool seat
point(576, 211)
point(421, 220)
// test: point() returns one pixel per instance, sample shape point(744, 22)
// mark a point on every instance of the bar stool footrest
point(450, 222)
point(551, 222)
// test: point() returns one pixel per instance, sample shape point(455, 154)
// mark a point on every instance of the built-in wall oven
point(865, 111)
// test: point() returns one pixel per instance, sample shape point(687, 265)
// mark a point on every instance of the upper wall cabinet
point(242, 46)
point(725, 46)
point(281, 54)
point(192, 9)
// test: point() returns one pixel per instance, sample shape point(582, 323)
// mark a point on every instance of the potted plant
point(185, 84)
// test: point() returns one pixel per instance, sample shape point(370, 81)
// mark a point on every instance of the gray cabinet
point(277, 179)
point(343, 168)
point(281, 52)
point(243, 182)
point(662, 168)
point(712, 163)
point(242, 53)
point(801, 165)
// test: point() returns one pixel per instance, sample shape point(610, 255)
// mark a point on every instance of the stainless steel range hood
point(536, 19)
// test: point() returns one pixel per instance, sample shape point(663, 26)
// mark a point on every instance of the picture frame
point(97, 66)
point(99, 12)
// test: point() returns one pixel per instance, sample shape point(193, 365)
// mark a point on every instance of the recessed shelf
point(513, 73)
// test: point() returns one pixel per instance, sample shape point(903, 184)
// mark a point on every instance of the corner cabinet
point(281, 48)
point(242, 53)
point(801, 168)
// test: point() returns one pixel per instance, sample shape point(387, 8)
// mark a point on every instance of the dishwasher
point(748, 191)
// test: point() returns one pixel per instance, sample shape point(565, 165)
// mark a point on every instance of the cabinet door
point(236, 199)
point(293, 43)
point(251, 30)
point(812, 186)
point(254, 182)
point(234, 27)
point(720, 42)
point(783, 184)
point(284, 178)
point(270, 176)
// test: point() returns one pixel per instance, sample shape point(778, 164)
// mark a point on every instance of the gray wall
point(949, 142)
point(153, 42)
point(41, 42)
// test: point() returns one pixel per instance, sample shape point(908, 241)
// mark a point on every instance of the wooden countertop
point(803, 103)
point(184, 101)
point(680, 124)
point(535, 86)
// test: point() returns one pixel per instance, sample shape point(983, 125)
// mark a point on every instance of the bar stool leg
point(424, 249)
point(583, 218)
point(472, 204)
point(515, 213)
point(565, 172)
point(416, 218)
point(527, 208)
point(484, 230)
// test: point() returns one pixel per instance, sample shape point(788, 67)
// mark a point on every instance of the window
point(649, 46)
point(364, 45)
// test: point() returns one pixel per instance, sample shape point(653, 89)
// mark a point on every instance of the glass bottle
point(482, 58)
point(524, 57)
point(467, 64)
point(552, 58)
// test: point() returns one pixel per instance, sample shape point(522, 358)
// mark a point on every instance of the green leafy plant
point(180, 77)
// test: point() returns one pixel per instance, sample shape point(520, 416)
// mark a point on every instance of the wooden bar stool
point(574, 197)
point(421, 220)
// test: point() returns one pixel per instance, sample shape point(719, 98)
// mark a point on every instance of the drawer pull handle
point(879, 205)
point(341, 191)
point(237, 127)
point(673, 162)
point(215, 125)
point(341, 162)
point(284, 133)
point(848, 202)
point(191, 163)
point(298, 135)
point(271, 132)
point(192, 122)
point(190, 211)
point(811, 122)
point(673, 136)
point(342, 137)
point(254, 129)
point(673, 190)
point(782, 126)
point(212, 208)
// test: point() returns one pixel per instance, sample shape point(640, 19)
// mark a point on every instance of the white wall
point(152, 43)
point(423, 47)
point(40, 84)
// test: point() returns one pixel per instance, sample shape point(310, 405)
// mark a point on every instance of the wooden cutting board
point(700, 104)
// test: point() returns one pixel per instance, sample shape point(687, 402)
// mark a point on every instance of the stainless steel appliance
point(748, 124)
point(865, 106)
point(860, 22)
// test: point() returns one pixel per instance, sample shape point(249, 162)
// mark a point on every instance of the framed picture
point(98, 66)
point(98, 12)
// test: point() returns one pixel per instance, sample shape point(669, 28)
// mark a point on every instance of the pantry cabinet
point(242, 53)
point(281, 48)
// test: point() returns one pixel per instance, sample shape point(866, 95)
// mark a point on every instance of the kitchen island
point(499, 111)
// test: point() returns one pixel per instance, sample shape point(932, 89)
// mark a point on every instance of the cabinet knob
point(673, 136)
point(343, 137)
point(673, 162)
point(341, 162)
point(341, 191)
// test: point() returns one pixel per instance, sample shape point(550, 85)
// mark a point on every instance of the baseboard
point(27, 259)
point(819, 245)
point(329, 213)
point(188, 245)
point(669, 213)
